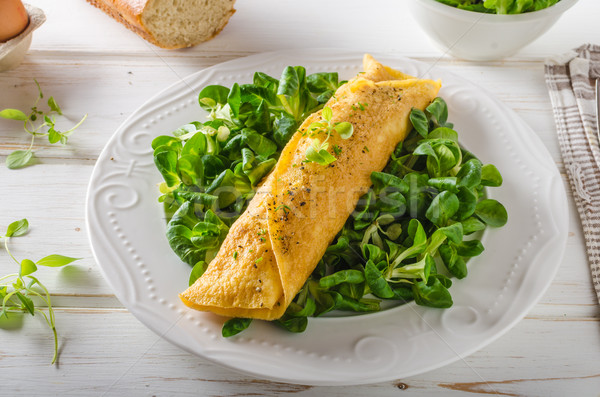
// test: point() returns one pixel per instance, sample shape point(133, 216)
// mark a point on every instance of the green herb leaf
point(13, 114)
point(321, 157)
point(54, 106)
point(19, 159)
point(40, 93)
point(327, 114)
point(55, 260)
point(27, 303)
point(53, 136)
point(23, 291)
point(345, 129)
point(17, 228)
point(27, 267)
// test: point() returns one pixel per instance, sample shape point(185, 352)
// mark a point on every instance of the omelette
point(273, 247)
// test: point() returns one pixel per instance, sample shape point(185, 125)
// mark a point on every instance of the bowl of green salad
point(483, 30)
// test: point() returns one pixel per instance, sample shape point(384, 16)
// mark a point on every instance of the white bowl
point(478, 36)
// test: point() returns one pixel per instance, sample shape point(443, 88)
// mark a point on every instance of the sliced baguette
point(171, 23)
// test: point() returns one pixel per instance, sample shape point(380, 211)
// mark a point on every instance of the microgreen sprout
point(37, 123)
point(18, 290)
point(317, 151)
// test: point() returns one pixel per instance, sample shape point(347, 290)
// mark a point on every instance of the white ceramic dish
point(482, 37)
point(126, 229)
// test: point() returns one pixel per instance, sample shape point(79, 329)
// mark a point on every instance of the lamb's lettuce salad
point(500, 6)
point(414, 230)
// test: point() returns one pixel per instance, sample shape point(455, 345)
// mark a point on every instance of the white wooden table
point(93, 65)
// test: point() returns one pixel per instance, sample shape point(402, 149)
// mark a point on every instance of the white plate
point(126, 229)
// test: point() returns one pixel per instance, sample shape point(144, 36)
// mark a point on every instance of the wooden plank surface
point(112, 87)
point(93, 65)
point(107, 352)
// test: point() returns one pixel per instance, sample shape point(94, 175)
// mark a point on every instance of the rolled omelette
point(273, 247)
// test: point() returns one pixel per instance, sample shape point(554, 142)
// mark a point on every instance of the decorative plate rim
point(125, 164)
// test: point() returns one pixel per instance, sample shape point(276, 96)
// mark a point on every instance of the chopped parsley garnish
point(284, 208)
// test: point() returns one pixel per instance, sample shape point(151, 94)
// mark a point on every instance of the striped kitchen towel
point(571, 79)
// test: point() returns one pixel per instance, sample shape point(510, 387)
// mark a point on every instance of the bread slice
point(171, 23)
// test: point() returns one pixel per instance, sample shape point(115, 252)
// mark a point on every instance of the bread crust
point(129, 13)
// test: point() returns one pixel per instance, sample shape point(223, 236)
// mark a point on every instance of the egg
point(13, 19)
